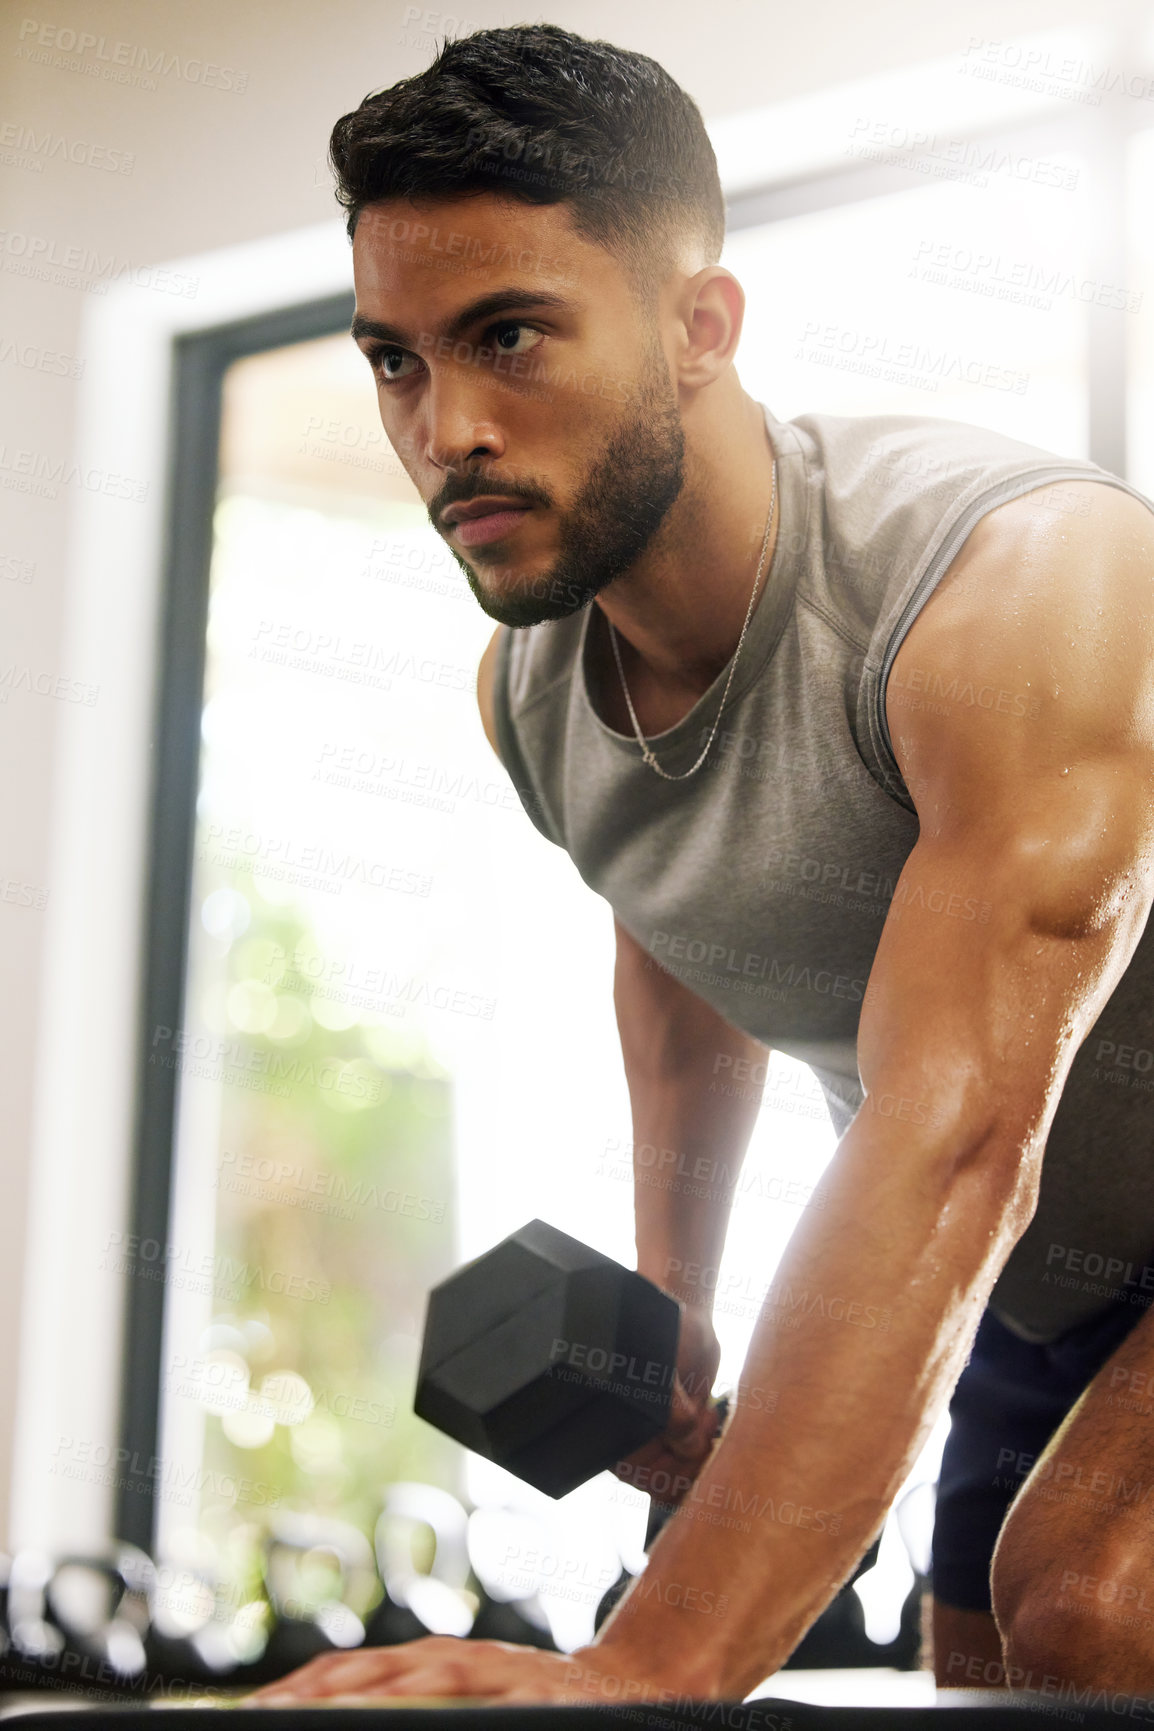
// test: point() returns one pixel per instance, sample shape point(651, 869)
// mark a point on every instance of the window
point(953, 299)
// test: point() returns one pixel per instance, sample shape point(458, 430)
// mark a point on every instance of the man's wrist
point(680, 1277)
point(681, 1670)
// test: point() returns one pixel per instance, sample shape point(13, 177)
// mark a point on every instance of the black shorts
point(1006, 1405)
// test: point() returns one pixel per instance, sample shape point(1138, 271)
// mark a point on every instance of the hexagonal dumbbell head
point(548, 1358)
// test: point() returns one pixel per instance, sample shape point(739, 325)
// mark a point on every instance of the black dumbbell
point(548, 1358)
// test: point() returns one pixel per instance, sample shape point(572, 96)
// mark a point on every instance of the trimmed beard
point(625, 498)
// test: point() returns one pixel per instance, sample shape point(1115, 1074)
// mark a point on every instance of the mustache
point(460, 489)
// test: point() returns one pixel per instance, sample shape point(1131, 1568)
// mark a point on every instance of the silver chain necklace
point(646, 753)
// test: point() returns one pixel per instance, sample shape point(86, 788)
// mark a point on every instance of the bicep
point(1025, 896)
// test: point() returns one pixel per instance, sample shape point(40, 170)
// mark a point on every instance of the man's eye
point(507, 337)
point(389, 363)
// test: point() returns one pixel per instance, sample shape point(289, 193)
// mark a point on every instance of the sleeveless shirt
point(763, 881)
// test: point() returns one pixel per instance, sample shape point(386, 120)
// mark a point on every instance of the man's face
point(525, 391)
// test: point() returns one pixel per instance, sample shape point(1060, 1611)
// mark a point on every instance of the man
point(852, 723)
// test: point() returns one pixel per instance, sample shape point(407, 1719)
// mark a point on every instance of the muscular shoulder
point(1047, 612)
point(1022, 700)
point(1067, 532)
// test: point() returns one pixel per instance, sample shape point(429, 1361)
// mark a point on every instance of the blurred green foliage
point(335, 1215)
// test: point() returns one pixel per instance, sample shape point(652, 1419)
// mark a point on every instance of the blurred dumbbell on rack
point(81, 1622)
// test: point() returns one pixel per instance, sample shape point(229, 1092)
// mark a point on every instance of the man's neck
point(678, 614)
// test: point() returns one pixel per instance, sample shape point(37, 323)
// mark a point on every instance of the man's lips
point(477, 521)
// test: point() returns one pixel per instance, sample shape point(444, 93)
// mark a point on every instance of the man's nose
point(459, 424)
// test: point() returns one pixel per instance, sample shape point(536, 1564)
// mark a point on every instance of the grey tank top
point(763, 881)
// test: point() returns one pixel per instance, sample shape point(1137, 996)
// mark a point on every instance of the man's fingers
point(686, 1415)
point(331, 1674)
point(436, 1665)
point(339, 1673)
point(436, 1668)
point(683, 1448)
point(435, 1680)
point(664, 1476)
point(668, 1465)
point(691, 1431)
point(682, 1410)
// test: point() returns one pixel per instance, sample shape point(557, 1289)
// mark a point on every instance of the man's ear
point(711, 311)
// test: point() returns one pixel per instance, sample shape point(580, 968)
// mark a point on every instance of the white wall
point(196, 167)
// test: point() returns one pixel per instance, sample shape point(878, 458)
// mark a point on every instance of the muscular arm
point(689, 1141)
point(967, 1034)
point(674, 1046)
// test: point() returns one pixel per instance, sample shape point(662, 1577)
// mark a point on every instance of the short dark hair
point(536, 113)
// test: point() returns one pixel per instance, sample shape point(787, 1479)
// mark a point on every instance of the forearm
point(689, 1142)
point(690, 1134)
point(860, 1339)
